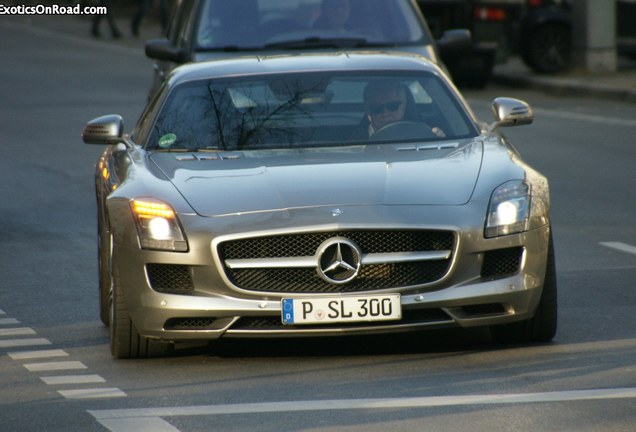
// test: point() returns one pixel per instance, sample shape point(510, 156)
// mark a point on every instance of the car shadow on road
point(422, 342)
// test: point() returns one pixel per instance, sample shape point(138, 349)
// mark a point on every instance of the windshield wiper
point(318, 42)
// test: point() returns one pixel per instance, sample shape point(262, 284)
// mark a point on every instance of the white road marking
point(26, 355)
point(106, 417)
point(146, 424)
point(92, 393)
point(623, 247)
point(568, 115)
point(72, 379)
point(12, 343)
point(17, 331)
point(55, 366)
point(2, 312)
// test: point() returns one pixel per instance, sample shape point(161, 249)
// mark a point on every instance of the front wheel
point(125, 341)
point(104, 250)
point(543, 325)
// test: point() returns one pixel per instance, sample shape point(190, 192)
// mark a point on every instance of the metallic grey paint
point(441, 187)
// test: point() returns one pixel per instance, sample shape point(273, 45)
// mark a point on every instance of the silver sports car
point(314, 195)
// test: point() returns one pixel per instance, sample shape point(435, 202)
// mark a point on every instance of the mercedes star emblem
point(339, 260)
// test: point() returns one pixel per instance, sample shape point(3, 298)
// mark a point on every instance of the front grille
point(306, 280)
point(409, 317)
point(501, 262)
point(170, 278)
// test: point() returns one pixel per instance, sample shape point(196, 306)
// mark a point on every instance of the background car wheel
point(125, 341)
point(543, 325)
point(547, 48)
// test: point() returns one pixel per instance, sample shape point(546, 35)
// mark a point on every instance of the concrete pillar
point(594, 35)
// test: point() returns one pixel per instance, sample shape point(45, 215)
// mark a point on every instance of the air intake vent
point(170, 278)
point(501, 263)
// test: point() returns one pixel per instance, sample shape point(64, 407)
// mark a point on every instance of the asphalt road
point(56, 373)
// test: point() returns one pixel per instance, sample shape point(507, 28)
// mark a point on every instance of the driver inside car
point(388, 102)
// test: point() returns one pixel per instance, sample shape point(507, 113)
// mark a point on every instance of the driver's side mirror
point(105, 130)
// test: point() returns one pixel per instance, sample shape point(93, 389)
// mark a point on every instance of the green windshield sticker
point(167, 140)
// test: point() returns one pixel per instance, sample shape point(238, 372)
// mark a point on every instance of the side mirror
point(510, 112)
point(162, 49)
point(453, 41)
point(105, 130)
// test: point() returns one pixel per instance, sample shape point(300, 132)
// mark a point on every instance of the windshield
point(310, 109)
point(257, 24)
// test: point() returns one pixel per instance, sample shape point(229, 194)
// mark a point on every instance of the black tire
point(543, 325)
point(125, 341)
point(105, 280)
point(548, 48)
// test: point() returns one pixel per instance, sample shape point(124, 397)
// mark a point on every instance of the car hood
point(238, 182)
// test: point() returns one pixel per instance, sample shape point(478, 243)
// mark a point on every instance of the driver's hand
point(437, 131)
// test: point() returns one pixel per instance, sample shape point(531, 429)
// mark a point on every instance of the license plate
point(324, 310)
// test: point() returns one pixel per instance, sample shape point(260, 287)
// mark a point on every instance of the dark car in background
point(493, 24)
point(539, 31)
point(212, 29)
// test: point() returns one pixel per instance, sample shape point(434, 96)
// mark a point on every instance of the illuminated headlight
point(158, 226)
point(508, 209)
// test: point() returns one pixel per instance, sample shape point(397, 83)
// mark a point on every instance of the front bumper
point(466, 297)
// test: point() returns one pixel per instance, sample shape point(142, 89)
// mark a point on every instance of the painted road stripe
point(145, 424)
point(55, 366)
point(623, 247)
point(568, 115)
point(12, 343)
point(572, 116)
point(349, 404)
point(6, 321)
point(92, 393)
point(17, 331)
point(26, 355)
point(72, 379)
point(2, 312)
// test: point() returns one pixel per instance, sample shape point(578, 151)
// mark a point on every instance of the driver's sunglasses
point(392, 106)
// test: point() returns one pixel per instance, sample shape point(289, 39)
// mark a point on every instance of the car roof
point(305, 62)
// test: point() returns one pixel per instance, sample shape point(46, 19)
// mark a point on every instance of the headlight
point(158, 226)
point(508, 209)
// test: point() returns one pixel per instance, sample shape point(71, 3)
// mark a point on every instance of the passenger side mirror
point(510, 112)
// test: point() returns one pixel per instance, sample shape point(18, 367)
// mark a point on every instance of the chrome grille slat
point(311, 261)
